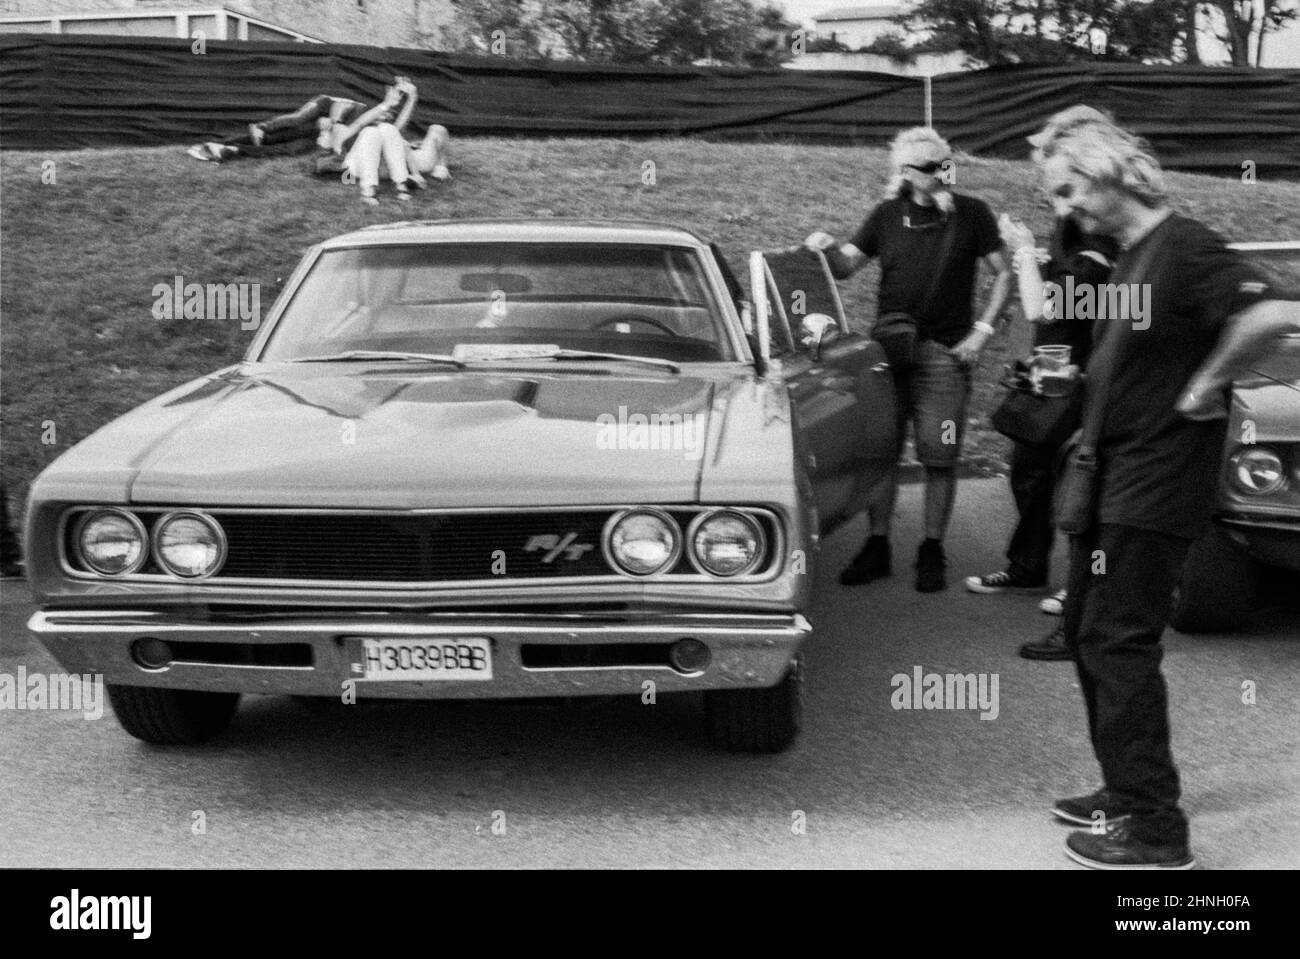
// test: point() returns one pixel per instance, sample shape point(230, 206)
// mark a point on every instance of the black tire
point(757, 720)
point(1218, 586)
point(171, 717)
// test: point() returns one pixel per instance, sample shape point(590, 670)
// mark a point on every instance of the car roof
point(538, 230)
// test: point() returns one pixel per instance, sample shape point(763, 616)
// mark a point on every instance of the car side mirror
point(816, 329)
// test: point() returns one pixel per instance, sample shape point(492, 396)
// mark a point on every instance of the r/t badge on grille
point(566, 547)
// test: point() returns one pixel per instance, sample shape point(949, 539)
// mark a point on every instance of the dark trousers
point(9, 550)
point(1032, 481)
point(289, 134)
point(1121, 587)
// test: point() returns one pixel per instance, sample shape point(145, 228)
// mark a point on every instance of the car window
point(1281, 266)
point(639, 299)
point(806, 284)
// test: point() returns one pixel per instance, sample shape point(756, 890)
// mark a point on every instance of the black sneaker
point(1050, 647)
point(1003, 581)
point(1118, 848)
point(872, 562)
point(1085, 810)
point(930, 563)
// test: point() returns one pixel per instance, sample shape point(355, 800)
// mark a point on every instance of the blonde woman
point(929, 241)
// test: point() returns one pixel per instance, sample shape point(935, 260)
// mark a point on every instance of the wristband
point(985, 327)
point(1023, 258)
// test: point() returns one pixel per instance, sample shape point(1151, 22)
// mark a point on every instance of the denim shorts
point(933, 395)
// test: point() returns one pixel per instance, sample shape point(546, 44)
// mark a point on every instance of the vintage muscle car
point(475, 459)
point(1258, 512)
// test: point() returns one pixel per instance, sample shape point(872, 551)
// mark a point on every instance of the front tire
point(171, 717)
point(1218, 586)
point(757, 720)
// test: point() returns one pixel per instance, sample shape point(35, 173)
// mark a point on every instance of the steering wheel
point(634, 318)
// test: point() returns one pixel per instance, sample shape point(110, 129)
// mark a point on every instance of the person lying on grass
point(289, 134)
point(379, 150)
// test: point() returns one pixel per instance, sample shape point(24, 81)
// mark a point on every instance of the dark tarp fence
point(67, 92)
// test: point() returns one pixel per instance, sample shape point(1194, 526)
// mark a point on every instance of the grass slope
point(81, 255)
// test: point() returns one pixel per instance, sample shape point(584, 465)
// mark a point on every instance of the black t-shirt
point(1159, 469)
point(906, 237)
point(1082, 258)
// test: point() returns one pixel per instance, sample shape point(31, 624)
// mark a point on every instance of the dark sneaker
point(1094, 807)
point(1003, 581)
point(1118, 848)
point(871, 563)
point(1050, 647)
point(930, 564)
point(1054, 605)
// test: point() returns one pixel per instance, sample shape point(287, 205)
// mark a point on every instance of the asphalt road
point(613, 782)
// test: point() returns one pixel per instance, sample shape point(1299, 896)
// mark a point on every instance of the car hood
point(1269, 396)
point(401, 437)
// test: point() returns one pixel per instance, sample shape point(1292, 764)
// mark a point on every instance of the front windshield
point(651, 301)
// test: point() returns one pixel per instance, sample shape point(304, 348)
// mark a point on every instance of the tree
point(1049, 31)
point(1238, 19)
point(624, 31)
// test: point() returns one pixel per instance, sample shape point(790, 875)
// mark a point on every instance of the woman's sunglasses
point(930, 168)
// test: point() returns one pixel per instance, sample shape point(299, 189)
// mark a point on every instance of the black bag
point(897, 336)
point(1043, 417)
point(1074, 500)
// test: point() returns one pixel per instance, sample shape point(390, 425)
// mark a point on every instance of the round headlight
point(1258, 470)
point(190, 545)
point(726, 543)
point(112, 542)
point(643, 542)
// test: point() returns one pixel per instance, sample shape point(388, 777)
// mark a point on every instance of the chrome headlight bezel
point(615, 521)
point(1237, 461)
point(203, 518)
point(134, 521)
point(760, 541)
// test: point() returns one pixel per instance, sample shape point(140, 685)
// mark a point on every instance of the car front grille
point(364, 547)
point(414, 547)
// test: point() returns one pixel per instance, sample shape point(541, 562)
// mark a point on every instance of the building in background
point(859, 27)
point(384, 23)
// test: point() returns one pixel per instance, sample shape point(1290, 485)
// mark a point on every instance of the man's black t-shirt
point(906, 237)
point(1158, 468)
point(1084, 258)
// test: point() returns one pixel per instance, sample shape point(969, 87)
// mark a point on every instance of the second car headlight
point(643, 542)
point(112, 542)
point(189, 544)
point(1258, 470)
point(726, 543)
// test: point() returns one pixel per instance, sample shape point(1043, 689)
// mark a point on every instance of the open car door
point(839, 380)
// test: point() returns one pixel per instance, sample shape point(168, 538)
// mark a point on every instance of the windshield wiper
point(349, 356)
point(620, 357)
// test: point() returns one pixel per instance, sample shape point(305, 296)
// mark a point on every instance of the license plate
point(399, 657)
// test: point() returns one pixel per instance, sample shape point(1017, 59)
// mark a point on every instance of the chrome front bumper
point(746, 651)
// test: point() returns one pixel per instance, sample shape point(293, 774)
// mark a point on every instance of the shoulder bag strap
point(941, 261)
point(1107, 353)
